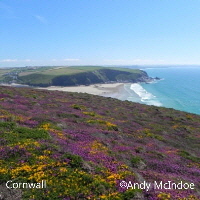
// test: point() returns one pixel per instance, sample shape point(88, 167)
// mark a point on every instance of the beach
point(121, 91)
point(114, 90)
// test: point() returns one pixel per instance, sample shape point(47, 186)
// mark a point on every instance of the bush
point(129, 194)
point(9, 125)
point(75, 160)
point(78, 107)
point(135, 161)
point(24, 132)
point(186, 155)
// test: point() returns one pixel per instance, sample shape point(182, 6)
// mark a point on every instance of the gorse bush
point(7, 125)
point(75, 161)
point(23, 132)
point(78, 107)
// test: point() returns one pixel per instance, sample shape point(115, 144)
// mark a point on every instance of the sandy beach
point(119, 91)
point(96, 89)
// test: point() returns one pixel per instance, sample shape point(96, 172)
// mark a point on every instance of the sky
point(99, 32)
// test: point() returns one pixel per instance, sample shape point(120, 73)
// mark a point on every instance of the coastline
point(114, 90)
point(119, 91)
point(133, 92)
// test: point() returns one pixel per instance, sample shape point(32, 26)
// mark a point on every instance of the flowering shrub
point(85, 145)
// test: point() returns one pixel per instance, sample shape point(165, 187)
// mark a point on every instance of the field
point(71, 70)
point(76, 75)
point(44, 76)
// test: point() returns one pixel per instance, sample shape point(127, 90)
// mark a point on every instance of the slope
point(85, 75)
point(85, 145)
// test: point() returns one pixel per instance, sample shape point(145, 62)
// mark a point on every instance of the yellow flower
point(62, 169)
point(164, 196)
point(42, 157)
point(45, 126)
point(3, 171)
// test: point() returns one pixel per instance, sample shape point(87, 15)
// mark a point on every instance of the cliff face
point(84, 146)
point(103, 75)
point(99, 76)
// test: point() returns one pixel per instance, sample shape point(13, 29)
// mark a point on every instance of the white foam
point(146, 97)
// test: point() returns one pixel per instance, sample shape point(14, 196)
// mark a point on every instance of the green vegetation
point(78, 107)
point(70, 76)
point(74, 160)
point(187, 155)
point(135, 161)
point(9, 75)
point(85, 145)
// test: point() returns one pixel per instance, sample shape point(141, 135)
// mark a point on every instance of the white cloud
point(123, 60)
point(41, 19)
point(8, 60)
point(134, 61)
point(26, 60)
point(71, 59)
point(14, 60)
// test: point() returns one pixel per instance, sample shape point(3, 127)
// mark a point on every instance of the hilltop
point(85, 145)
point(71, 76)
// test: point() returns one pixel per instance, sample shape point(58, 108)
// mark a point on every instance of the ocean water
point(179, 88)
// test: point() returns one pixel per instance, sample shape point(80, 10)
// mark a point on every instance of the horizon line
point(136, 65)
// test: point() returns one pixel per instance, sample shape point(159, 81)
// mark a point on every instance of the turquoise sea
point(179, 88)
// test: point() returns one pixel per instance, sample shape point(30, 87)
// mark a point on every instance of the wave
point(146, 97)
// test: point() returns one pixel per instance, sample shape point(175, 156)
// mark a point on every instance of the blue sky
point(99, 32)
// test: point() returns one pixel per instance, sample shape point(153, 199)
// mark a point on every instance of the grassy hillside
point(80, 75)
point(85, 145)
point(8, 75)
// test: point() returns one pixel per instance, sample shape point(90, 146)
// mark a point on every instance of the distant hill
point(84, 75)
point(84, 146)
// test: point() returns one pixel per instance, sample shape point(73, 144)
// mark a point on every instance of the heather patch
point(85, 145)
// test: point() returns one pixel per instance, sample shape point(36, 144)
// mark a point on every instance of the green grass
point(2, 72)
point(45, 76)
point(135, 161)
point(36, 79)
point(187, 155)
point(125, 69)
point(77, 69)
point(60, 70)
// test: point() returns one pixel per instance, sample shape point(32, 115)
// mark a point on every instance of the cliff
point(73, 76)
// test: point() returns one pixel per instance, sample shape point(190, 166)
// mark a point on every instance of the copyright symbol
point(123, 184)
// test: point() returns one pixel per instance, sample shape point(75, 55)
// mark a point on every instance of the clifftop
point(71, 76)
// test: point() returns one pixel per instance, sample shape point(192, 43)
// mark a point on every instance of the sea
point(178, 88)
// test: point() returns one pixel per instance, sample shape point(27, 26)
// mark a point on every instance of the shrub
point(78, 107)
point(9, 125)
point(23, 132)
point(186, 155)
point(135, 161)
point(75, 160)
point(129, 194)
